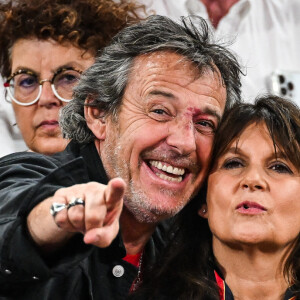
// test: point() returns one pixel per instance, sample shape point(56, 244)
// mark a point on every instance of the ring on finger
point(56, 208)
point(76, 201)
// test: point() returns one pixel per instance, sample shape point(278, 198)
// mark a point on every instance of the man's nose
point(182, 138)
point(254, 179)
point(47, 98)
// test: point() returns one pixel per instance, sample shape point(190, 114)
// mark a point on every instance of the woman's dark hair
point(185, 271)
point(85, 24)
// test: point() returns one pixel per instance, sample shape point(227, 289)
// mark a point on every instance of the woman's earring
point(203, 211)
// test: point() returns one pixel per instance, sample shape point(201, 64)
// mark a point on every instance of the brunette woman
point(242, 242)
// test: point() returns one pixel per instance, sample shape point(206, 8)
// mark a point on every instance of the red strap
point(221, 285)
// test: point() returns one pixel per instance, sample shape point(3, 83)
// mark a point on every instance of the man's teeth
point(168, 169)
point(165, 177)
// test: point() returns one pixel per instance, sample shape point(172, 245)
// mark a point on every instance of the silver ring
point(56, 207)
point(76, 201)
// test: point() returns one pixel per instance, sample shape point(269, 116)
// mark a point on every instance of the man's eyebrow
point(162, 93)
point(206, 110)
point(212, 112)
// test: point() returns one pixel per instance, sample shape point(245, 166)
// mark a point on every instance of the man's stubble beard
point(137, 202)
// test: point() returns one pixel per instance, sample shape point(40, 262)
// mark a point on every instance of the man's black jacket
point(77, 271)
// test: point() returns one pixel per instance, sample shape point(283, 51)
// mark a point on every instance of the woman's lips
point(252, 208)
point(50, 124)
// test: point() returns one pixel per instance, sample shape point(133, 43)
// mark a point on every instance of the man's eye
point(159, 111)
point(281, 168)
point(232, 164)
point(160, 114)
point(205, 126)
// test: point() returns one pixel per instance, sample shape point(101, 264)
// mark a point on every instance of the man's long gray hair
point(104, 82)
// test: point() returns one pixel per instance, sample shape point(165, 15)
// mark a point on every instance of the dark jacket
point(78, 271)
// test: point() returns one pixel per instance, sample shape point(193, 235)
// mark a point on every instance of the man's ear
point(95, 120)
point(202, 212)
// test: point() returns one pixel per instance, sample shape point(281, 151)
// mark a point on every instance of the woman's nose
point(254, 179)
point(47, 98)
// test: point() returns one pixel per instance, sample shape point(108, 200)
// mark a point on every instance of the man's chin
point(153, 204)
point(153, 213)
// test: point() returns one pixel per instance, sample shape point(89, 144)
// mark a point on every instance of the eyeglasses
point(24, 87)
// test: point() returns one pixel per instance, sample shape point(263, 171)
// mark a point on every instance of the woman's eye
point(281, 168)
point(27, 81)
point(69, 77)
point(66, 79)
point(232, 164)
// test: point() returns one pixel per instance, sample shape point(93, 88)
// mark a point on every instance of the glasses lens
point(64, 83)
point(24, 87)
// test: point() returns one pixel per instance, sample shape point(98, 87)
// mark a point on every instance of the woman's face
point(253, 195)
point(38, 123)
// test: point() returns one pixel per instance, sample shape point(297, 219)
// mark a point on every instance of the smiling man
point(142, 124)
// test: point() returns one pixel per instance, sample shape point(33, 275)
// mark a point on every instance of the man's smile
point(166, 171)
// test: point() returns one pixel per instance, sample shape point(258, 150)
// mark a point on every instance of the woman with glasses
point(241, 241)
point(45, 45)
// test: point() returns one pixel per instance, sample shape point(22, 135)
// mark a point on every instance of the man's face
point(161, 143)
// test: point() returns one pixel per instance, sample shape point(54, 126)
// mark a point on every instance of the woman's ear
point(95, 119)
point(202, 212)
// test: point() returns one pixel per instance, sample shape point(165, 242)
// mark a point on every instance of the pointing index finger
point(114, 192)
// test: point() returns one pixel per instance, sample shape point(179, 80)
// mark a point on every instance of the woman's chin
point(48, 145)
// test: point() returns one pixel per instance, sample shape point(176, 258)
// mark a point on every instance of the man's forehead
point(175, 65)
point(166, 60)
point(168, 76)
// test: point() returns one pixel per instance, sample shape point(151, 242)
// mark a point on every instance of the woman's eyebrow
point(21, 68)
point(234, 150)
point(279, 154)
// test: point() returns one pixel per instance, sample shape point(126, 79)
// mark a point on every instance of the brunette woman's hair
point(85, 24)
point(185, 271)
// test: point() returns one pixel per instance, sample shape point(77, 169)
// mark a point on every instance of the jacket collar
point(91, 158)
point(226, 294)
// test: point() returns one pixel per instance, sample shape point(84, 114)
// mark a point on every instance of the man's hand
point(98, 219)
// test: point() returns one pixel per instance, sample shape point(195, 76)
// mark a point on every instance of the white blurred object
point(286, 84)
point(10, 137)
point(265, 34)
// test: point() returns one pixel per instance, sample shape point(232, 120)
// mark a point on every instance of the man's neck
point(217, 9)
point(251, 273)
point(135, 234)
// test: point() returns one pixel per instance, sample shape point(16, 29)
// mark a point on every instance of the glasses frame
point(41, 82)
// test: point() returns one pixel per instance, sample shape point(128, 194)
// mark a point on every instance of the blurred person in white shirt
point(264, 34)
